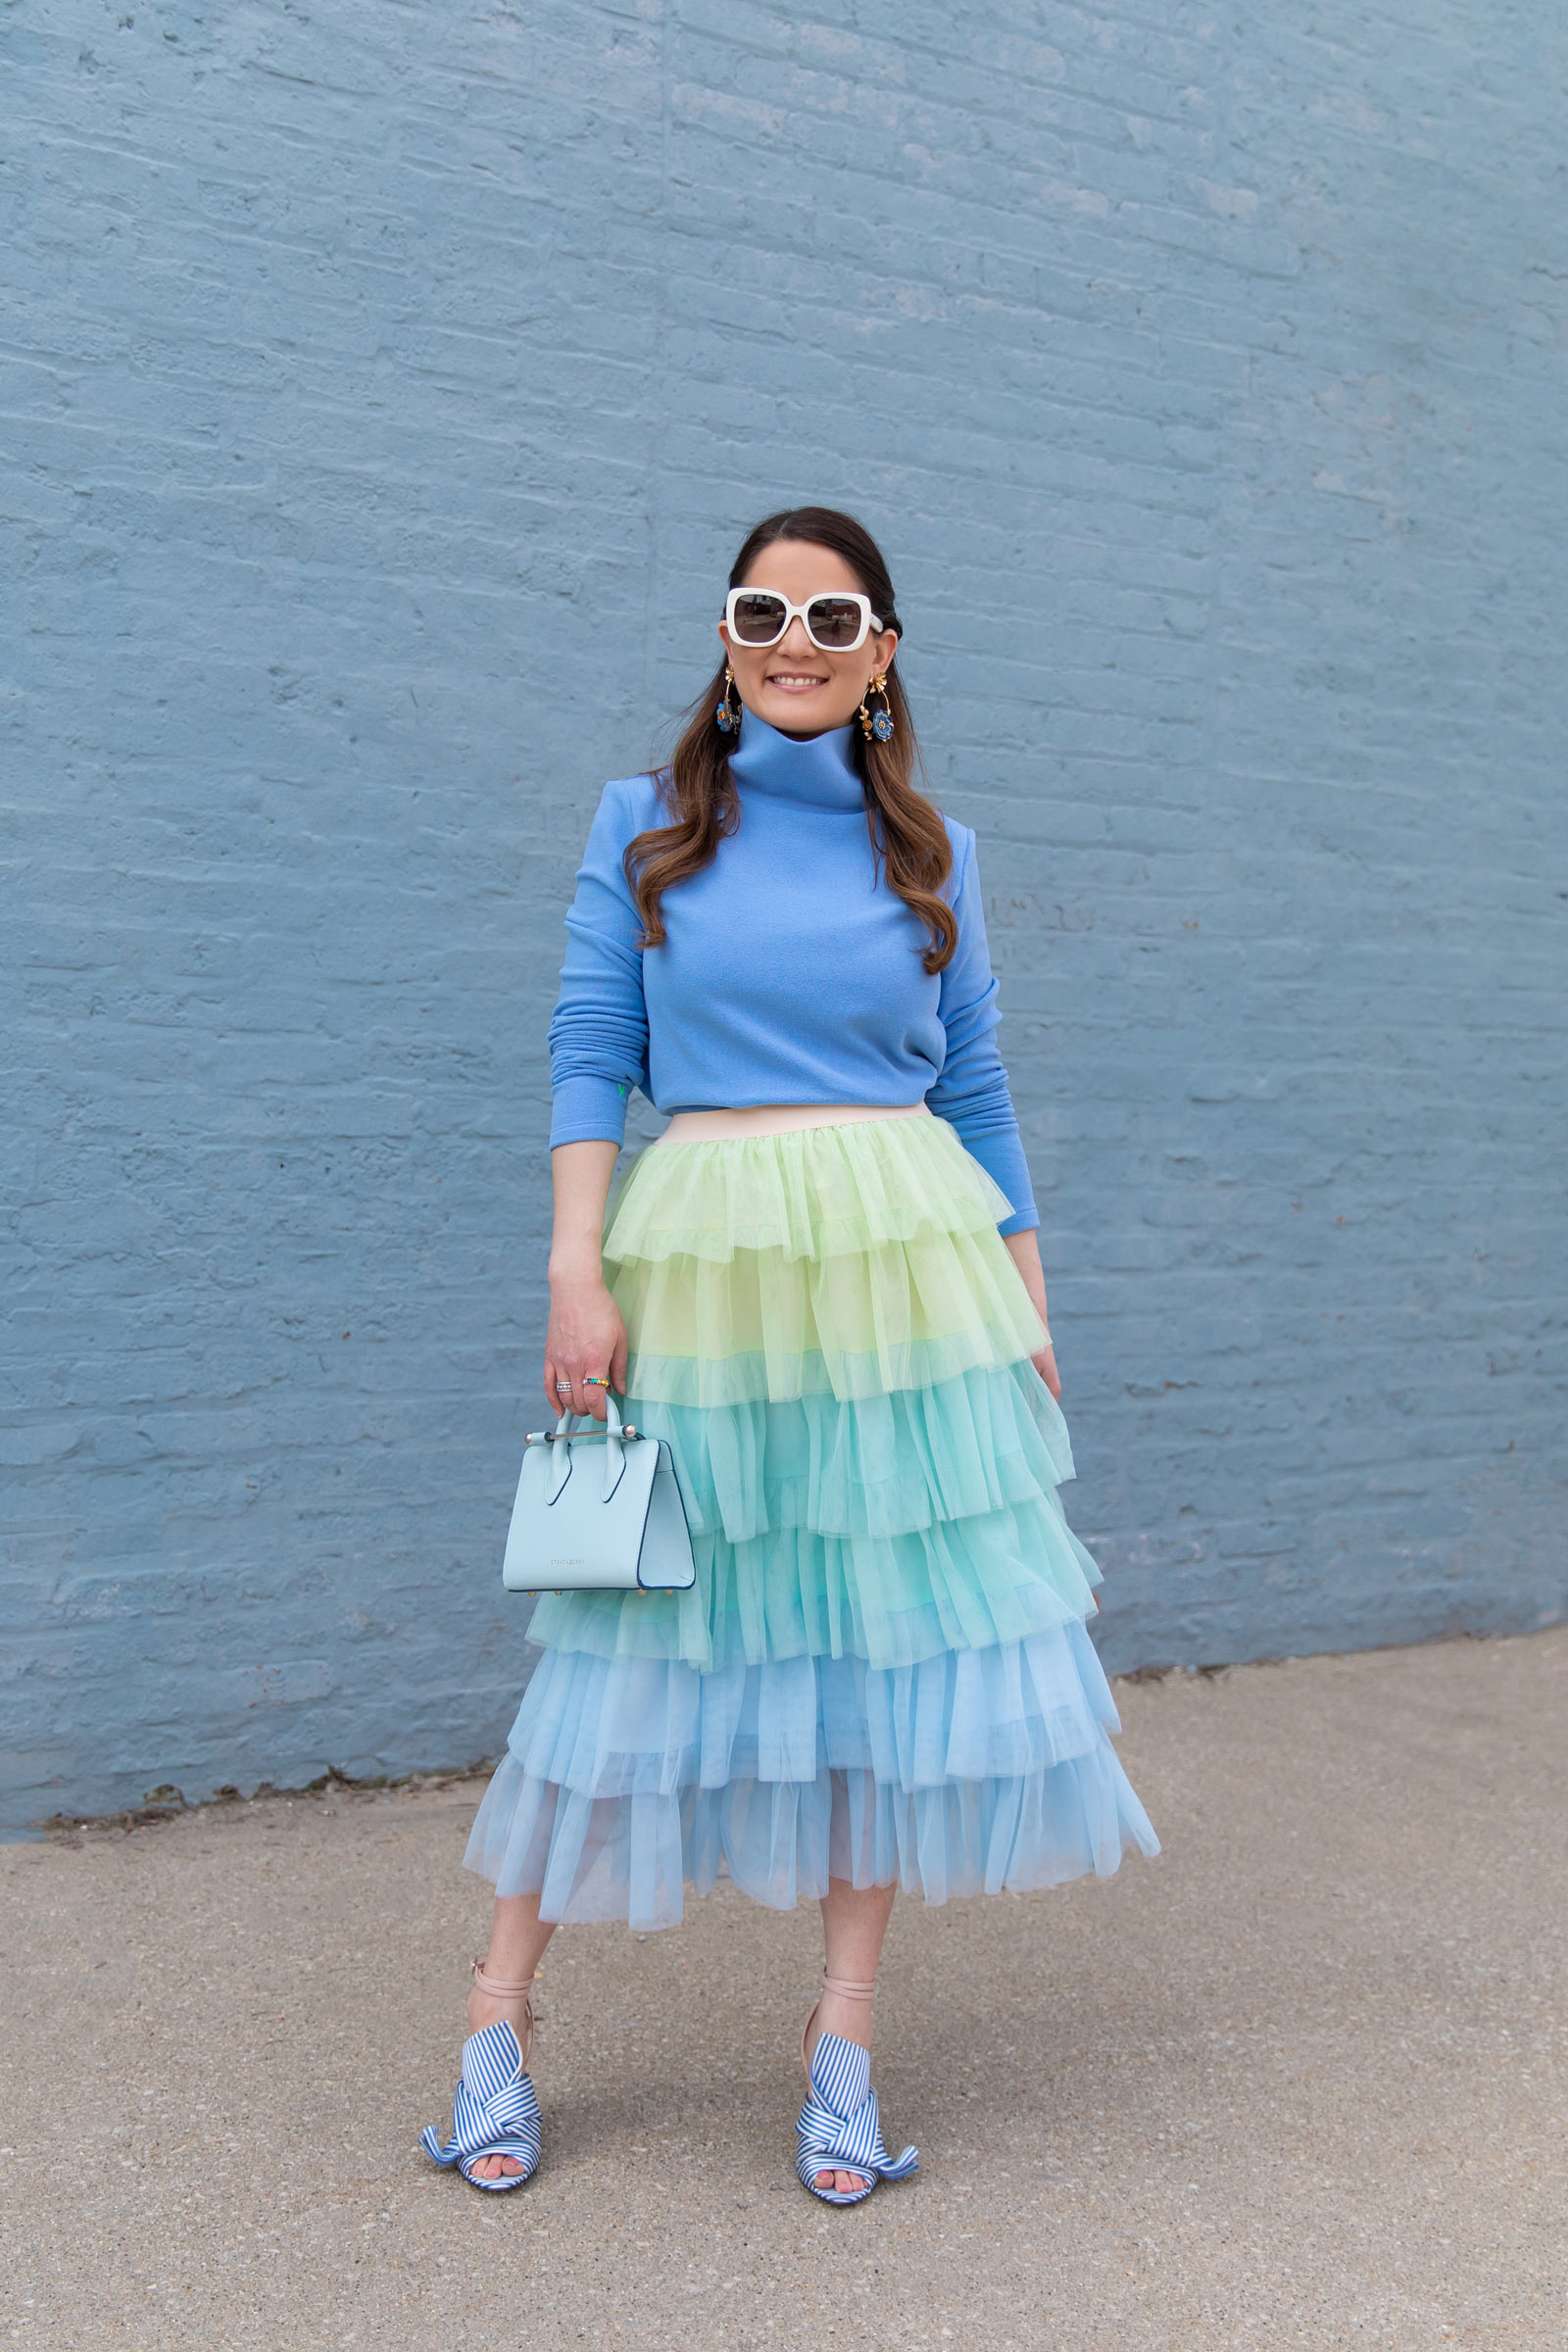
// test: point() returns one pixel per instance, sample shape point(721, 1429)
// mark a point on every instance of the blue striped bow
point(838, 2130)
point(494, 2112)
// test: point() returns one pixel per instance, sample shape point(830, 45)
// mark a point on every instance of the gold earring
point(878, 723)
point(728, 713)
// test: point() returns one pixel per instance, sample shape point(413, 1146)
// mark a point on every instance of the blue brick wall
point(386, 389)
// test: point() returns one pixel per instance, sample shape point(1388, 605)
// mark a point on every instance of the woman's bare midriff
point(780, 1118)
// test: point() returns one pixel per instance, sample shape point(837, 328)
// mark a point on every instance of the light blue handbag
point(598, 1509)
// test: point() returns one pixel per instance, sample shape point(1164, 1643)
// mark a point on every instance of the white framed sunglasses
point(839, 623)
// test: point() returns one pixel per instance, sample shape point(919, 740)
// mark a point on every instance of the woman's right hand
point(587, 1332)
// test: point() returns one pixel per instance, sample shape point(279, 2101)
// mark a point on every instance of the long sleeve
point(973, 1093)
point(599, 1030)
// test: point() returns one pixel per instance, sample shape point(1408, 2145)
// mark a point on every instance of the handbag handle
point(561, 1449)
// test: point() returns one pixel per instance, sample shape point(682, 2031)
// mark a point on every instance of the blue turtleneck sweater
point(791, 972)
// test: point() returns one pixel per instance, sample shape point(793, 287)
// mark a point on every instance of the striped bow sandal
point(494, 2112)
point(839, 2130)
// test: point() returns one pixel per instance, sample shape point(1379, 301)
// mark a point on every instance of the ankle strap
point(847, 1990)
point(497, 1990)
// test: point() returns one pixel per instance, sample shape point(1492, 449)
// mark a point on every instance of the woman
point(822, 1286)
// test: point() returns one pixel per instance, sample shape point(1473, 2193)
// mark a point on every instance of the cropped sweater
point(791, 971)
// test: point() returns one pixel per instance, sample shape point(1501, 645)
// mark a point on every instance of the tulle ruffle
point(893, 1315)
point(889, 1601)
point(974, 1771)
point(853, 1260)
point(815, 1193)
point(892, 1528)
point(878, 1465)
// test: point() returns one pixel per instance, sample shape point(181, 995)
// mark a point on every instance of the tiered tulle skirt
point(881, 1671)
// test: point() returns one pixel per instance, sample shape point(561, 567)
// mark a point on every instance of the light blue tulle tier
point(891, 1527)
point(973, 1771)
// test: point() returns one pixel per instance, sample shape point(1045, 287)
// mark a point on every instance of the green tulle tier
point(817, 1192)
point(843, 1260)
point(901, 1316)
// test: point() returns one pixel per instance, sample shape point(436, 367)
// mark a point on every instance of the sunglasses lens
point(758, 618)
point(834, 621)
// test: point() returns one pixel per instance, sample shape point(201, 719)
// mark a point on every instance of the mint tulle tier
point(880, 1465)
point(977, 1771)
point(889, 1528)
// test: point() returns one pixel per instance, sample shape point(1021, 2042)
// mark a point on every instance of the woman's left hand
point(1025, 1249)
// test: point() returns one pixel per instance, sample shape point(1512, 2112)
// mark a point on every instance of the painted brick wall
point(385, 390)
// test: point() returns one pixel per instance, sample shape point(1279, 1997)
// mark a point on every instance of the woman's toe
point(497, 2168)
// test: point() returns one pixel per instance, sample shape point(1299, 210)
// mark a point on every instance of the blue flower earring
point(728, 713)
point(878, 723)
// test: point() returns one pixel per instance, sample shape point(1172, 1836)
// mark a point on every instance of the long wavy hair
point(697, 789)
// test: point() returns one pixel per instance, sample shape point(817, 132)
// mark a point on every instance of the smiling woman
point(804, 643)
point(821, 1291)
point(784, 669)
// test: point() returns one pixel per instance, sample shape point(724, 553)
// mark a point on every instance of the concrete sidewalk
point(1299, 2082)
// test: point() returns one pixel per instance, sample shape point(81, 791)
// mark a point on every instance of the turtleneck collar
point(817, 774)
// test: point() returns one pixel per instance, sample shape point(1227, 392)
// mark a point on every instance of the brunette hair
point(908, 834)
